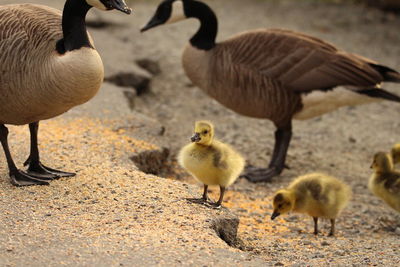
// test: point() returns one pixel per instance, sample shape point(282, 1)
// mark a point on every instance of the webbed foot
point(38, 169)
point(20, 178)
point(258, 175)
point(202, 201)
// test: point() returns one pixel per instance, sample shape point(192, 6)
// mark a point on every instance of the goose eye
point(205, 132)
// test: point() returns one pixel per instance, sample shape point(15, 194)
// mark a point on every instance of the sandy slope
point(340, 143)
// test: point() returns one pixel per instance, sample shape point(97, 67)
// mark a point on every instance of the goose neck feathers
point(205, 37)
point(74, 27)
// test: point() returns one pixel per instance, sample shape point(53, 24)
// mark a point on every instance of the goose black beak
point(274, 215)
point(195, 138)
point(154, 22)
point(121, 6)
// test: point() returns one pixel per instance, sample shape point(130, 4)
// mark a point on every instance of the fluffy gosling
point(396, 154)
point(385, 182)
point(315, 194)
point(210, 161)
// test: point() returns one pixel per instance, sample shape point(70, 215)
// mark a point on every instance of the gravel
point(112, 214)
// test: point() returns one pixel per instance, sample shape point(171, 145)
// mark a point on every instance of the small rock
point(324, 243)
point(293, 218)
point(279, 264)
point(339, 253)
point(241, 210)
point(397, 231)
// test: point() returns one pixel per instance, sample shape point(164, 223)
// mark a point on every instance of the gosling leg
point(35, 166)
point(283, 135)
point(205, 193)
point(221, 197)
point(315, 225)
point(18, 178)
point(203, 199)
point(332, 232)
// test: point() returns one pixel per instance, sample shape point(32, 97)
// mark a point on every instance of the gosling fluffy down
point(210, 161)
point(315, 194)
point(385, 181)
point(396, 154)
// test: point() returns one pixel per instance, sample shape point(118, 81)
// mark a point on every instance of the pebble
point(324, 243)
point(306, 242)
point(339, 253)
point(293, 218)
point(397, 231)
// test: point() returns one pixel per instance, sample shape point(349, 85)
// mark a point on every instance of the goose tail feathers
point(389, 75)
point(380, 93)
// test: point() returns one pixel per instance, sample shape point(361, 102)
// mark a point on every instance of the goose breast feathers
point(36, 82)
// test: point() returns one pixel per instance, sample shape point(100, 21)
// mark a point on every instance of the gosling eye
point(280, 206)
point(205, 132)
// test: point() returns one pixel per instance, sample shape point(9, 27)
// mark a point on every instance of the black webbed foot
point(258, 175)
point(38, 169)
point(20, 178)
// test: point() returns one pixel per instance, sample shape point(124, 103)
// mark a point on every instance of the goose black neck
point(205, 37)
point(74, 27)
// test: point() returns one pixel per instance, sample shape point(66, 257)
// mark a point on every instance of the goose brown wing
point(26, 30)
point(296, 61)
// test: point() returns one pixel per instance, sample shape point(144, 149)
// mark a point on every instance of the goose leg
point(18, 178)
point(35, 166)
point(283, 136)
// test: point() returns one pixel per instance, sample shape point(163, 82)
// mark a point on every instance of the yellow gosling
point(315, 194)
point(385, 181)
point(210, 161)
point(396, 154)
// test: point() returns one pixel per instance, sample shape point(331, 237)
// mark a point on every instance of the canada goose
point(48, 65)
point(385, 182)
point(315, 194)
point(396, 154)
point(275, 74)
point(210, 161)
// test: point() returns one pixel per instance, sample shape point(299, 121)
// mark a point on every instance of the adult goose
point(276, 74)
point(48, 64)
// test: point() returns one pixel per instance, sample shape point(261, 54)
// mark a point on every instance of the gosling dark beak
point(274, 215)
point(121, 6)
point(195, 138)
point(154, 22)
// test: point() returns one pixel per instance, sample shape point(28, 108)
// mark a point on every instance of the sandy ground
point(50, 224)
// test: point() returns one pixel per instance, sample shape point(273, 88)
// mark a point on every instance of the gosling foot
point(38, 169)
point(20, 178)
point(202, 201)
point(258, 175)
point(216, 205)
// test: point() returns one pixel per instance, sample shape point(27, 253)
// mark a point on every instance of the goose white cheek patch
point(177, 13)
point(97, 4)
